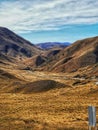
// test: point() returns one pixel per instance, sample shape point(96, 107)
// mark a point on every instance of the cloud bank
point(23, 16)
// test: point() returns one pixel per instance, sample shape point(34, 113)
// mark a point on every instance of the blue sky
point(50, 20)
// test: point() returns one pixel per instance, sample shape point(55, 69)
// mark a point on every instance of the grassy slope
point(51, 110)
point(57, 109)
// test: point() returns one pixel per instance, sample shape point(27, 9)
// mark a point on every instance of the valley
point(63, 107)
point(46, 89)
point(48, 64)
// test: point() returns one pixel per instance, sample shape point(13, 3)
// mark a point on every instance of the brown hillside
point(39, 60)
point(8, 80)
point(15, 46)
point(52, 52)
point(35, 61)
point(80, 54)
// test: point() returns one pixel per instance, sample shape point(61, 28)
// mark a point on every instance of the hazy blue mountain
point(50, 45)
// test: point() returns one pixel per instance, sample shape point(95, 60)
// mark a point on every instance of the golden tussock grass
point(61, 108)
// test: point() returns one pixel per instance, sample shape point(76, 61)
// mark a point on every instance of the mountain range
point(55, 57)
point(50, 45)
point(45, 89)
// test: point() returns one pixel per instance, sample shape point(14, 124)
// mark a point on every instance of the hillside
point(15, 46)
point(55, 57)
point(40, 100)
point(46, 54)
point(82, 53)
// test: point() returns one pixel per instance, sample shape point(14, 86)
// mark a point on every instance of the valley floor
point(64, 108)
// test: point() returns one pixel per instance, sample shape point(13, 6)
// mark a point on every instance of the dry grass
point(50, 110)
point(62, 108)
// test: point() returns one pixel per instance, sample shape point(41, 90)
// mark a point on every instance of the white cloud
point(30, 15)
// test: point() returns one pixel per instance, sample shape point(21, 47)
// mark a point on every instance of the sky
point(50, 20)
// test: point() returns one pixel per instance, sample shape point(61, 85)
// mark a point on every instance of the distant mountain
point(15, 46)
point(80, 54)
point(50, 56)
point(50, 45)
point(49, 50)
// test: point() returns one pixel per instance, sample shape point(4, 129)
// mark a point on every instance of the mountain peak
point(13, 45)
